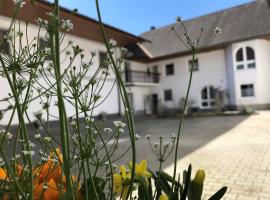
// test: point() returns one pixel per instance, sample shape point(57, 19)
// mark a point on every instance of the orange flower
point(47, 191)
point(3, 174)
point(50, 170)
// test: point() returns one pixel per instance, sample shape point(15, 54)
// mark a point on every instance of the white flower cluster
point(19, 3)
point(119, 124)
point(41, 22)
point(31, 153)
point(108, 130)
point(8, 134)
point(217, 30)
point(67, 25)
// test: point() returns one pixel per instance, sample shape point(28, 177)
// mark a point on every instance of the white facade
point(149, 85)
point(217, 69)
point(109, 94)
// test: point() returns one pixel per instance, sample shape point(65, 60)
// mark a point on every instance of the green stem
point(129, 114)
point(181, 120)
point(64, 132)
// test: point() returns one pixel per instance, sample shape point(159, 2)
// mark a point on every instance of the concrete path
point(239, 159)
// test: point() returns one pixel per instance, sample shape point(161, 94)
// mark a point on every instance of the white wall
point(258, 76)
point(230, 74)
point(110, 105)
point(211, 73)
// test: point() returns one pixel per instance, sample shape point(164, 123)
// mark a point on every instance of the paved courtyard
point(234, 151)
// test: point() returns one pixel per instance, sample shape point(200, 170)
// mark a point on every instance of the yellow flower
point(199, 177)
point(121, 182)
point(141, 169)
point(163, 197)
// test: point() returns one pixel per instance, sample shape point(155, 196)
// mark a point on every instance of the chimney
point(153, 27)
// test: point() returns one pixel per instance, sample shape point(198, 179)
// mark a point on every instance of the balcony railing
point(141, 77)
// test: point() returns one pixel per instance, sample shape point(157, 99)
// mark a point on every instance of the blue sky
point(137, 16)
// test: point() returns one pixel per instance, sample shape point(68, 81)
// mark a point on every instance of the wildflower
point(178, 19)
point(37, 136)
point(119, 124)
point(73, 123)
point(8, 135)
point(31, 153)
point(67, 25)
point(148, 136)
point(50, 14)
point(113, 42)
point(47, 51)
point(173, 137)
point(19, 3)
point(141, 169)
point(200, 176)
point(121, 130)
point(217, 30)
point(121, 182)
point(137, 136)
point(108, 130)
point(3, 174)
point(48, 139)
point(51, 192)
point(31, 144)
point(163, 197)
point(39, 21)
point(50, 170)
point(45, 186)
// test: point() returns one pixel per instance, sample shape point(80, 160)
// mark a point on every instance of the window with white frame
point(247, 90)
point(208, 94)
point(245, 58)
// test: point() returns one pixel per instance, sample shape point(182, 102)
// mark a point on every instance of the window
point(245, 58)
point(239, 55)
point(208, 95)
point(247, 90)
point(4, 45)
point(195, 65)
point(128, 74)
point(168, 95)
point(102, 59)
point(170, 69)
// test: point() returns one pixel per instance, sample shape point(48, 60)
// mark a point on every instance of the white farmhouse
point(86, 34)
point(234, 64)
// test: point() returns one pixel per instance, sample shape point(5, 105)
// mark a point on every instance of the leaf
point(143, 192)
point(196, 186)
point(99, 186)
point(186, 183)
point(219, 194)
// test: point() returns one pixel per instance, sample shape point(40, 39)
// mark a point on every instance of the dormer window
point(245, 58)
